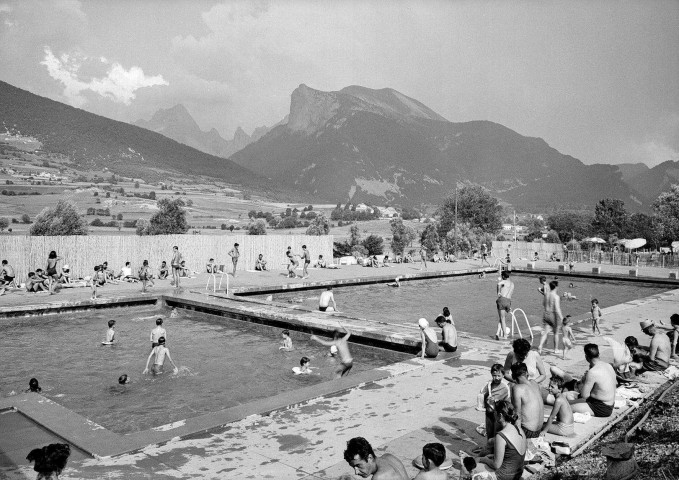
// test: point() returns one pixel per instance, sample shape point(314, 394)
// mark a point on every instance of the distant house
point(388, 212)
point(362, 207)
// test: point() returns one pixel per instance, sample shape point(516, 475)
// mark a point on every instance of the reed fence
point(82, 253)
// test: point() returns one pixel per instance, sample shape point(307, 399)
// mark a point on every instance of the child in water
point(304, 366)
point(568, 337)
point(160, 352)
point(34, 386)
point(286, 343)
point(110, 333)
point(596, 316)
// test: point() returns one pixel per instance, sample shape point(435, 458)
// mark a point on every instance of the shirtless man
point(505, 288)
point(359, 454)
point(552, 317)
point(597, 390)
point(293, 263)
point(6, 274)
point(306, 256)
point(234, 253)
point(341, 342)
point(527, 400)
point(659, 351)
point(326, 299)
point(176, 265)
point(160, 352)
point(423, 257)
point(157, 332)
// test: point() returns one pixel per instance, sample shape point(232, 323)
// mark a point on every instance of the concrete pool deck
point(432, 401)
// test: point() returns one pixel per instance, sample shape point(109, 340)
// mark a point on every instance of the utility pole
point(455, 222)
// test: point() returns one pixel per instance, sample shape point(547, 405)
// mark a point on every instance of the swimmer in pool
point(341, 342)
point(110, 333)
point(157, 332)
point(34, 386)
point(304, 367)
point(160, 352)
point(124, 379)
point(286, 343)
point(395, 283)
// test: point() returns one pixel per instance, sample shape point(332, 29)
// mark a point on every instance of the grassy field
point(209, 204)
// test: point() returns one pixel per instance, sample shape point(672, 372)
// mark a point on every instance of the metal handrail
point(515, 321)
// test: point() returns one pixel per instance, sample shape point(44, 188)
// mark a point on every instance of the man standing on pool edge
point(176, 265)
point(234, 254)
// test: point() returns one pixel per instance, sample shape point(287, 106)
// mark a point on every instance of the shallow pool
point(222, 362)
point(470, 299)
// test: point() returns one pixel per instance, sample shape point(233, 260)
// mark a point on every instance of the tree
point(374, 244)
point(535, 227)
point(25, 218)
point(258, 227)
point(169, 219)
point(136, 184)
point(666, 210)
point(61, 219)
point(429, 238)
point(610, 217)
point(119, 216)
point(231, 227)
point(319, 226)
point(645, 226)
point(552, 237)
point(570, 224)
point(4, 223)
point(401, 235)
point(354, 235)
point(475, 206)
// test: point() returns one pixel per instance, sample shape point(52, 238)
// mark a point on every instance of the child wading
point(160, 352)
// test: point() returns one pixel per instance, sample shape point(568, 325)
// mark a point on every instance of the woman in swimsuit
point(51, 270)
point(510, 444)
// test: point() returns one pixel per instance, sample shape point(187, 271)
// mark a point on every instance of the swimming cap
point(423, 323)
point(333, 349)
point(65, 267)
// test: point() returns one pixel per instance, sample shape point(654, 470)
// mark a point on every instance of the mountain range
point(178, 124)
point(378, 146)
point(357, 144)
point(96, 142)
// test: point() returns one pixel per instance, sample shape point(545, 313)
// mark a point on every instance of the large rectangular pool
point(223, 363)
point(470, 299)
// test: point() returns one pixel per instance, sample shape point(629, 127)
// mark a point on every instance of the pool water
point(471, 300)
point(222, 362)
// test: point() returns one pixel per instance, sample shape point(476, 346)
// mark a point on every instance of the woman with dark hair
point(510, 445)
point(51, 270)
point(521, 353)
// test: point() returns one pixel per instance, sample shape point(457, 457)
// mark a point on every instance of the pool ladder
point(516, 322)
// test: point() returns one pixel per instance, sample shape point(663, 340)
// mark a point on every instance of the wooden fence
point(82, 253)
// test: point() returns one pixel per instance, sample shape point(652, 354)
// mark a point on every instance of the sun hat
point(644, 324)
point(423, 323)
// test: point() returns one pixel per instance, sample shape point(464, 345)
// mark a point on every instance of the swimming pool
point(223, 363)
point(471, 299)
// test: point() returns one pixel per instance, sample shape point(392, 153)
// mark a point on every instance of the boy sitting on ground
point(560, 421)
point(211, 267)
point(433, 455)
point(35, 283)
point(260, 264)
point(126, 273)
point(163, 271)
point(321, 263)
point(65, 276)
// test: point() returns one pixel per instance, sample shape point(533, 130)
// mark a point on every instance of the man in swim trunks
point(359, 454)
point(505, 288)
point(341, 342)
point(160, 351)
point(7, 274)
point(234, 254)
point(176, 265)
point(326, 299)
point(527, 400)
point(484, 254)
point(552, 318)
point(306, 256)
point(659, 351)
point(597, 389)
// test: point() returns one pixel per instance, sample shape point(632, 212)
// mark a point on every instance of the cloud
point(118, 84)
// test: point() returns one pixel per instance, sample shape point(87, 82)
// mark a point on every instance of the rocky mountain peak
point(310, 109)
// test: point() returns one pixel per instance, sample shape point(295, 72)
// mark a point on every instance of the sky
point(598, 80)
